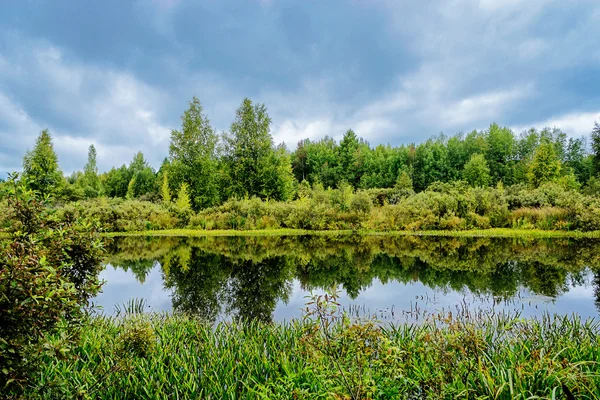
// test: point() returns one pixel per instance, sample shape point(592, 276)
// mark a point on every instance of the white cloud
point(574, 124)
point(112, 109)
point(483, 107)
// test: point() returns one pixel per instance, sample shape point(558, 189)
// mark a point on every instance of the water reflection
point(255, 277)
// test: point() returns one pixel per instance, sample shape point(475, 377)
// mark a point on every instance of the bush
point(137, 337)
point(118, 215)
point(48, 272)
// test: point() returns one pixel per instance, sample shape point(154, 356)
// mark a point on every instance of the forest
point(242, 180)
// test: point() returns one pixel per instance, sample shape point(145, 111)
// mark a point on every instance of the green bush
point(137, 336)
point(48, 272)
point(118, 215)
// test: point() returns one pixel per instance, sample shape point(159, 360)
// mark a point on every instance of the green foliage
point(545, 166)
point(130, 195)
point(165, 191)
point(444, 206)
point(116, 181)
point(444, 356)
point(592, 187)
point(48, 272)
point(361, 203)
point(90, 181)
point(119, 215)
point(40, 167)
point(253, 167)
point(595, 136)
point(137, 337)
point(183, 201)
point(500, 154)
point(476, 171)
point(404, 182)
point(192, 153)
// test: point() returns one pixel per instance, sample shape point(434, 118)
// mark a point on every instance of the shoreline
point(497, 232)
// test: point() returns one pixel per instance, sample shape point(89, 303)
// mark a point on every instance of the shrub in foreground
point(48, 272)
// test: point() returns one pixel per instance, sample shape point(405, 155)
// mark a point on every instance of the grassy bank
point(497, 232)
point(159, 356)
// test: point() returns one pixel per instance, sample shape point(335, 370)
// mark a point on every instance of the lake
point(394, 278)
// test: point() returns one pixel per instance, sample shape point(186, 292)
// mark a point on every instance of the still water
point(269, 278)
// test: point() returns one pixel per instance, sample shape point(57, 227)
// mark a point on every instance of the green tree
point(90, 179)
point(545, 166)
point(183, 201)
point(404, 181)
point(351, 149)
point(253, 166)
point(501, 153)
point(323, 160)
point(193, 156)
point(142, 175)
point(476, 171)
point(596, 147)
point(116, 181)
point(40, 166)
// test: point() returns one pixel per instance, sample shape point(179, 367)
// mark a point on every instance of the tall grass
point(446, 356)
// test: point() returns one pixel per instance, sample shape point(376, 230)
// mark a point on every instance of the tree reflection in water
point(245, 277)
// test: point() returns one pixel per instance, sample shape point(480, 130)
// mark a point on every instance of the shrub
point(361, 203)
point(137, 337)
point(48, 272)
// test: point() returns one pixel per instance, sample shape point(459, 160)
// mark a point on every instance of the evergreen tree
point(142, 174)
point(404, 182)
point(476, 171)
point(254, 167)
point(193, 157)
point(545, 166)
point(40, 166)
point(90, 179)
point(347, 158)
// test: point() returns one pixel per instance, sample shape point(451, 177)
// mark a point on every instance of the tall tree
point(596, 147)
point(253, 166)
point(193, 157)
point(40, 166)
point(142, 176)
point(501, 153)
point(545, 166)
point(116, 181)
point(476, 171)
point(348, 156)
point(90, 179)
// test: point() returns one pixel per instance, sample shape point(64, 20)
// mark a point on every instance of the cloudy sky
point(119, 73)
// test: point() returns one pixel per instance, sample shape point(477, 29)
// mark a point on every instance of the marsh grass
point(329, 356)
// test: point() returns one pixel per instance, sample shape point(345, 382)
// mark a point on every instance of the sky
point(118, 74)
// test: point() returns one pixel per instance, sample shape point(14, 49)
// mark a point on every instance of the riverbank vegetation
point(494, 178)
point(327, 356)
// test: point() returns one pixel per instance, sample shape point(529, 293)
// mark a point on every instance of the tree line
point(205, 169)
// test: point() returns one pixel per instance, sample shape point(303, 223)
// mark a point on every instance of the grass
point(162, 356)
point(496, 232)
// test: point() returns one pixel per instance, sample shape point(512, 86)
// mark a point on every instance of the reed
point(464, 355)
